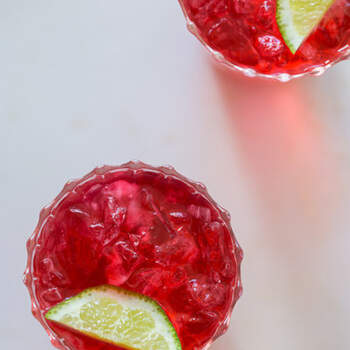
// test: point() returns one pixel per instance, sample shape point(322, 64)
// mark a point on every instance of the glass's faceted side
point(145, 229)
point(244, 36)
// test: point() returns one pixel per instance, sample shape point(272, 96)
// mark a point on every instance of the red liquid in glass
point(146, 229)
point(245, 32)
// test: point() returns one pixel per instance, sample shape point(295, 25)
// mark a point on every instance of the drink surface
point(246, 34)
point(145, 229)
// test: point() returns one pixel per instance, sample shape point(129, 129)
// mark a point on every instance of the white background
point(91, 82)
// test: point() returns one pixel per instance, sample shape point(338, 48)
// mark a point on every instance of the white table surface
point(91, 82)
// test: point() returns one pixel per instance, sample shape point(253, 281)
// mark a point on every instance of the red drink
point(145, 229)
point(244, 35)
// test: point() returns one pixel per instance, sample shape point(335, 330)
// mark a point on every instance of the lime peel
point(117, 316)
point(296, 19)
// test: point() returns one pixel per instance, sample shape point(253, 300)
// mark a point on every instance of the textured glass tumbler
point(244, 36)
point(145, 229)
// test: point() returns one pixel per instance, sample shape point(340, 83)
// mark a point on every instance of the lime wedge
point(297, 18)
point(119, 317)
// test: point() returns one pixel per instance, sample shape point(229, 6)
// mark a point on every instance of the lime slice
point(118, 316)
point(297, 18)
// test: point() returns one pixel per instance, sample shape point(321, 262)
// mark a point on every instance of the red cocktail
point(146, 229)
point(249, 36)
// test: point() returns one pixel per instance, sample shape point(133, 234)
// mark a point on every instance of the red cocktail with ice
point(145, 229)
point(279, 39)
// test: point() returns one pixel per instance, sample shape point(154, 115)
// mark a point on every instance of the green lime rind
point(296, 19)
point(118, 316)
